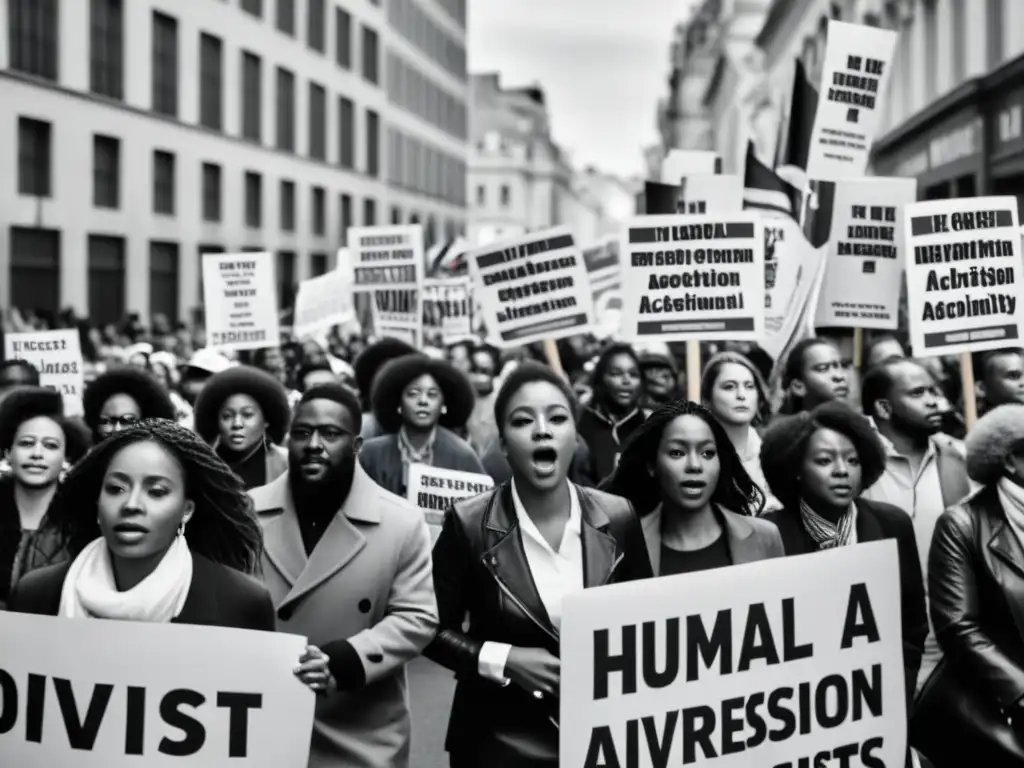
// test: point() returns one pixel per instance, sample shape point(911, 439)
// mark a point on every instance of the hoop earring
point(181, 529)
point(444, 409)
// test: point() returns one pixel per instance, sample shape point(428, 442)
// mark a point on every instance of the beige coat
point(369, 581)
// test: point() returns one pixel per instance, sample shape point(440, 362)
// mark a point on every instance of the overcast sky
point(603, 65)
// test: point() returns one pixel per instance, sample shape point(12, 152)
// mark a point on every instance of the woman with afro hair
point(122, 396)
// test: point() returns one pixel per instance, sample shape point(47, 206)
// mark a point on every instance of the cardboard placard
point(795, 660)
point(322, 303)
point(447, 308)
point(433, 489)
point(240, 300)
point(964, 275)
point(57, 355)
point(854, 81)
point(693, 278)
point(532, 288)
point(86, 693)
point(386, 258)
point(865, 254)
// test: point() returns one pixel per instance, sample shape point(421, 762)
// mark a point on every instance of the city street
point(430, 694)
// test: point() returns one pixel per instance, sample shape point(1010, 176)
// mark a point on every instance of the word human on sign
point(691, 277)
point(789, 663)
point(433, 489)
point(57, 355)
point(964, 274)
point(93, 698)
point(240, 298)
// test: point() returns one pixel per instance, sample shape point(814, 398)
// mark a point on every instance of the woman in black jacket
point(507, 558)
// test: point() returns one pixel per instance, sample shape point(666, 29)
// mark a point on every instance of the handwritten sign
point(322, 303)
point(240, 296)
point(433, 489)
point(57, 355)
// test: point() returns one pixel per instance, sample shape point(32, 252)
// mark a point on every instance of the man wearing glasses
point(348, 566)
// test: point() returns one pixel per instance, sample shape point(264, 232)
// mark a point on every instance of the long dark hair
point(597, 385)
point(735, 491)
point(223, 529)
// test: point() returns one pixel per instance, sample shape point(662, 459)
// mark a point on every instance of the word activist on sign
point(240, 298)
point(120, 694)
point(777, 664)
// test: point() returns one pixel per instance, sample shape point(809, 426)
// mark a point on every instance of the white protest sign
point(783, 662)
point(447, 308)
point(84, 693)
point(861, 288)
point(693, 278)
point(240, 298)
point(964, 275)
point(433, 489)
point(387, 258)
point(322, 303)
point(532, 288)
point(854, 80)
point(605, 272)
point(791, 266)
point(709, 194)
point(686, 162)
point(57, 356)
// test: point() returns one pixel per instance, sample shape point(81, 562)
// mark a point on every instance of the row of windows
point(412, 90)
point(415, 165)
point(418, 28)
point(504, 196)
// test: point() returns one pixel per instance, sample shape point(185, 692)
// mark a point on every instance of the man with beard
point(926, 470)
point(348, 566)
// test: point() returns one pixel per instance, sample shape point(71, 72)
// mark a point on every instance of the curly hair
point(223, 529)
point(138, 384)
point(265, 389)
point(735, 491)
point(785, 443)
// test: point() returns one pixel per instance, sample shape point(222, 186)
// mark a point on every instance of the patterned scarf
point(827, 534)
point(411, 456)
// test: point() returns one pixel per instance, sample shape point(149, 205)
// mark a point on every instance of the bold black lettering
point(821, 714)
point(803, 693)
point(867, 693)
point(660, 749)
point(755, 721)
point(758, 642)
point(135, 722)
point(860, 617)
point(605, 663)
point(34, 708)
point(867, 756)
point(195, 734)
point(732, 726)
point(790, 650)
point(602, 748)
point(8, 702)
point(694, 734)
point(82, 733)
point(652, 677)
point(719, 644)
point(239, 705)
point(779, 712)
point(844, 753)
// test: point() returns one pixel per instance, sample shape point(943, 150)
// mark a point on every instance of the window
point(369, 212)
point(255, 7)
point(211, 192)
point(319, 212)
point(252, 104)
point(211, 82)
point(316, 25)
point(106, 279)
point(285, 279)
point(163, 280)
point(344, 216)
point(346, 133)
point(343, 38)
point(163, 182)
point(106, 171)
point(165, 65)
point(931, 48)
point(317, 122)
point(959, 42)
point(285, 110)
point(317, 264)
point(396, 214)
point(35, 268)
point(34, 157)
point(506, 196)
point(253, 200)
point(286, 16)
point(370, 56)
point(372, 144)
point(33, 37)
point(996, 18)
point(106, 48)
point(287, 206)
point(481, 194)
point(203, 250)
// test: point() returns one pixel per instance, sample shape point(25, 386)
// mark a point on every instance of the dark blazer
point(976, 591)
point(382, 460)
point(480, 569)
point(877, 521)
point(218, 597)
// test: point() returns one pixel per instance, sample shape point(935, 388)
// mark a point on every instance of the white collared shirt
point(556, 573)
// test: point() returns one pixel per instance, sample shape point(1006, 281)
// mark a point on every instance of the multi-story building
point(148, 132)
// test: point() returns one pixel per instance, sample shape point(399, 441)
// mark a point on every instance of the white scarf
point(1011, 496)
point(90, 590)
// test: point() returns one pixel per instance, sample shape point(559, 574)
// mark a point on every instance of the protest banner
point(693, 278)
point(122, 694)
point(57, 355)
point(397, 313)
point(240, 300)
point(605, 273)
point(854, 80)
point(782, 663)
point(387, 262)
point(695, 194)
point(686, 162)
point(532, 288)
point(791, 266)
point(322, 303)
point(447, 309)
point(433, 489)
point(864, 264)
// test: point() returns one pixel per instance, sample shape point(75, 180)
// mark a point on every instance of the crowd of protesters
point(267, 491)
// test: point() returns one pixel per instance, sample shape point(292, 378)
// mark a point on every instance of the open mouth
point(693, 488)
point(841, 391)
point(545, 460)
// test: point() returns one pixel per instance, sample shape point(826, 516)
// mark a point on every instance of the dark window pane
point(396, 215)
point(165, 65)
point(369, 212)
point(163, 182)
point(255, 7)
point(317, 264)
point(33, 36)
point(343, 37)
point(286, 278)
point(106, 48)
point(286, 16)
point(317, 122)
point(163, 280)
point(211, 82)
point(287, 206)
point(106, 279)
point(285, 110)
point(316, 23)
point(35, 269)
point(344, 216)
point(211, 192)
point(372, 144)
point(319, 211)
point(253, 200)
point(106, 171)
point(371, 56)
point(252, 103)
point(346, 133)
point(34, 157)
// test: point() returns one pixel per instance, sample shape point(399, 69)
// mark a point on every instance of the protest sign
point(533, 287)
point(240, 298)
point(386, 258)
point(792, 265)
point(864, 265)
point(605, 273)
point(964, 275)
point(695, 195)
point(433, 489)
point(86, 693)
point(854, 79)
point(686, 162)
point(693, 278)
point(787, 662)
point(322, 303)
point(57, 355)
point(447, 308)
point(397, 313)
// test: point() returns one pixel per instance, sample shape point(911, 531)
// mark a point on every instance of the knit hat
point(266, 390)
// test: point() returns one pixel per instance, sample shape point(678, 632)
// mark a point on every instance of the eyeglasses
point(118, 421)
point(327, 434)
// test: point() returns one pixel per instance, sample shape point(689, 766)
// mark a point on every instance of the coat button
point(364, 606)
point(377, 658)
point(284, 613)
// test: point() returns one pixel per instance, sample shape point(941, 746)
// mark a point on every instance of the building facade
point(145, 133)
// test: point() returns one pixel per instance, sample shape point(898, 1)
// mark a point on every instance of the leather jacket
point(480, 569)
